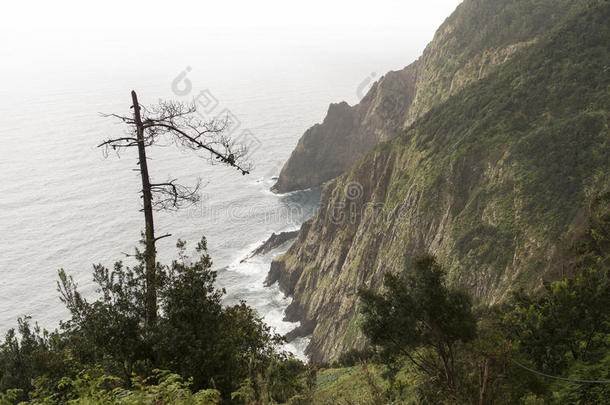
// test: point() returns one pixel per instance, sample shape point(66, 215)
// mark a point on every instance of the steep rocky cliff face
point(478, 37)
point(326, 150)
point(489, 181)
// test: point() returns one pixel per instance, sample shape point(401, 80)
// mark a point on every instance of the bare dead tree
point(177, 123)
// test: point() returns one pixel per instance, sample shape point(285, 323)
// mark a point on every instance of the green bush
point(196, 338)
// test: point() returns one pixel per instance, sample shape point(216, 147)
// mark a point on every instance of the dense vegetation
point(105, 353)
point(434, 346)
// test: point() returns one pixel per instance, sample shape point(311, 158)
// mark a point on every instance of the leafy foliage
point(569, 323)
point(92, 386)
point(106, 345)
point(418, 311)
point(562, 331)
point(28, 353)
point(565, 331)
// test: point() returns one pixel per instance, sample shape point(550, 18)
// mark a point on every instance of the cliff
point(477, 38)
point(490, 181)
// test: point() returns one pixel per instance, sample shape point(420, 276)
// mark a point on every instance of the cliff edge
point(477, 38)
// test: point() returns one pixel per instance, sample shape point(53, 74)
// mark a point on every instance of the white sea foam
point(270, 302)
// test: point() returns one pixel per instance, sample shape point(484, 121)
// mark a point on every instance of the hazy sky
point(49, 35)
point(147, 15)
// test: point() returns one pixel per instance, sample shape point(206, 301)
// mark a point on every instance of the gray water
point(63, 205)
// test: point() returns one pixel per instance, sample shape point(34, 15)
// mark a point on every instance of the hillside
point(477, 38)
point(490, 181)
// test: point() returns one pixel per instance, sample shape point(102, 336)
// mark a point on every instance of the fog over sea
point(63, 205)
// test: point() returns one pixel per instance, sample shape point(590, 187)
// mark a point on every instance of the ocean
point(64, 205)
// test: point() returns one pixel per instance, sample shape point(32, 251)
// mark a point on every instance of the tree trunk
point(150, 252)
point(483, 380)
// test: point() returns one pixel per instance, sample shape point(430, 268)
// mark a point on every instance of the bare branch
point(193, 142)
point(163, 236)
point(180, 122)
point(117, 142)
point(123, 118)
point(171, 196)
point(171, 122)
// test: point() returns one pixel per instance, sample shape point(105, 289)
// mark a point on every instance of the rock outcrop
point(273, 242)
point(347, 133)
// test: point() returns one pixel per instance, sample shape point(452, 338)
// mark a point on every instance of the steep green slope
point(490, 182)
point(479, 36)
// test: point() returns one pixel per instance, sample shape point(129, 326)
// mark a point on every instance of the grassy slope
point(362, 384)
point(350, 385)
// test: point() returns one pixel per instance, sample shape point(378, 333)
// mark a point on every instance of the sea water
point(63, 204)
